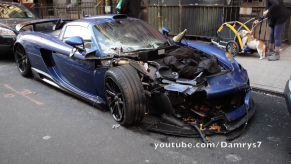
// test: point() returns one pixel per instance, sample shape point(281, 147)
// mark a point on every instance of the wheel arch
point(14, 46)
point(127, 80)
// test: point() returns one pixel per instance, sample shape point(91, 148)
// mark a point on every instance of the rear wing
point(42, 24)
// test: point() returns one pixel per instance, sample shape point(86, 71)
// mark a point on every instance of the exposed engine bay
point(174, 81)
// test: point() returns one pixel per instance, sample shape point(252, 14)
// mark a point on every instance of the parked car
point(12, 17)
point(128, 67)
point(287, 95)
point(11, 14)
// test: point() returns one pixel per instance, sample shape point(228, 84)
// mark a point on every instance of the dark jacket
point(130, 8)
point(278, 12)
point(189, 62)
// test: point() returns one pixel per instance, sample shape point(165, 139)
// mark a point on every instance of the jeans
point(275, 35)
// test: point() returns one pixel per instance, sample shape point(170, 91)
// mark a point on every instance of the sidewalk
point(268, 75)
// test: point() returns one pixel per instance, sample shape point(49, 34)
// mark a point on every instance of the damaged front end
point(180, 111)
point(203, 105)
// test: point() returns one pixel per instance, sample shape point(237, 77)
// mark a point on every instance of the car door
point(75, 72)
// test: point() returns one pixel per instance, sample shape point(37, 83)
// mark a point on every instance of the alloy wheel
point(21, 58)
point(115, 99)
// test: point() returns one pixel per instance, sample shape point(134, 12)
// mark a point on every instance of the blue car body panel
point(75, 74)
point(83, 78)
point(239, 112)
point(235, 80)
point(225, 84)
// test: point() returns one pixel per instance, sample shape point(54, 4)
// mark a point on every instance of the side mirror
point(76, 42)
point(166, 31)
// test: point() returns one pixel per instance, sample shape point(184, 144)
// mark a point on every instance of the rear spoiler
point(39, 21)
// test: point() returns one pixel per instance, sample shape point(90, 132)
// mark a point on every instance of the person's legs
point(277, 35)
point(271, 43)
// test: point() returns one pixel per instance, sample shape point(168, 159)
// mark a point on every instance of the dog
point(252, 43)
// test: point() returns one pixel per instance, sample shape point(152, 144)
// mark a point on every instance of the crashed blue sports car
point(126, 66)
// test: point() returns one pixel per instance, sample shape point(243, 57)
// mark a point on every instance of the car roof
point(100, 19)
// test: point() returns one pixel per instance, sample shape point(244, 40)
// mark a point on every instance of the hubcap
point(21, 58)
point(114, 99)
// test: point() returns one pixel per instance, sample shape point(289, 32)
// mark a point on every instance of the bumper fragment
point(242, 109)
point(186, 89)
point(239, 122)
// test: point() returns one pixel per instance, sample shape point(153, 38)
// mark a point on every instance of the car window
point(14, 11)
point(77, 31)
point(81, 32)
point(27, 28)
point(44, 26)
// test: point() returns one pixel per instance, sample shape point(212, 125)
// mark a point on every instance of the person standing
point(130, 8)
point(277, 14)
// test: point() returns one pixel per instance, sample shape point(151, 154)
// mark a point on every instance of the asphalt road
point(41, 124)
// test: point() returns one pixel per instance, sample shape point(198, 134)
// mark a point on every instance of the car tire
point(125, 95)
point(232, 48)
point(22, 61)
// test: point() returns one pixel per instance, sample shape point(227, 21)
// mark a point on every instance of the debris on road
point(274, 139)
point(215, 127)
point(46, 137)
point(115, 126)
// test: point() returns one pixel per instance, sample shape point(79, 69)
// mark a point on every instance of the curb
point(276, 93)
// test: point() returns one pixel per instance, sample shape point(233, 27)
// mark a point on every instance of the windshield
point(14, 11)
point(130, 35)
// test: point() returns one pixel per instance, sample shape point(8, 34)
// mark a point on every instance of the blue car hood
point(211, 50)
point(224, 84)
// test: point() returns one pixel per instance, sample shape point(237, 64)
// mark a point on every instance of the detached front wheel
point(125, 95)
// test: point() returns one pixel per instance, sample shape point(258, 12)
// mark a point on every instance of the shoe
point(274, 57)
point(271, 53)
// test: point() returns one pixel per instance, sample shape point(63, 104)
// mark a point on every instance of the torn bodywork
point(190, 106)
